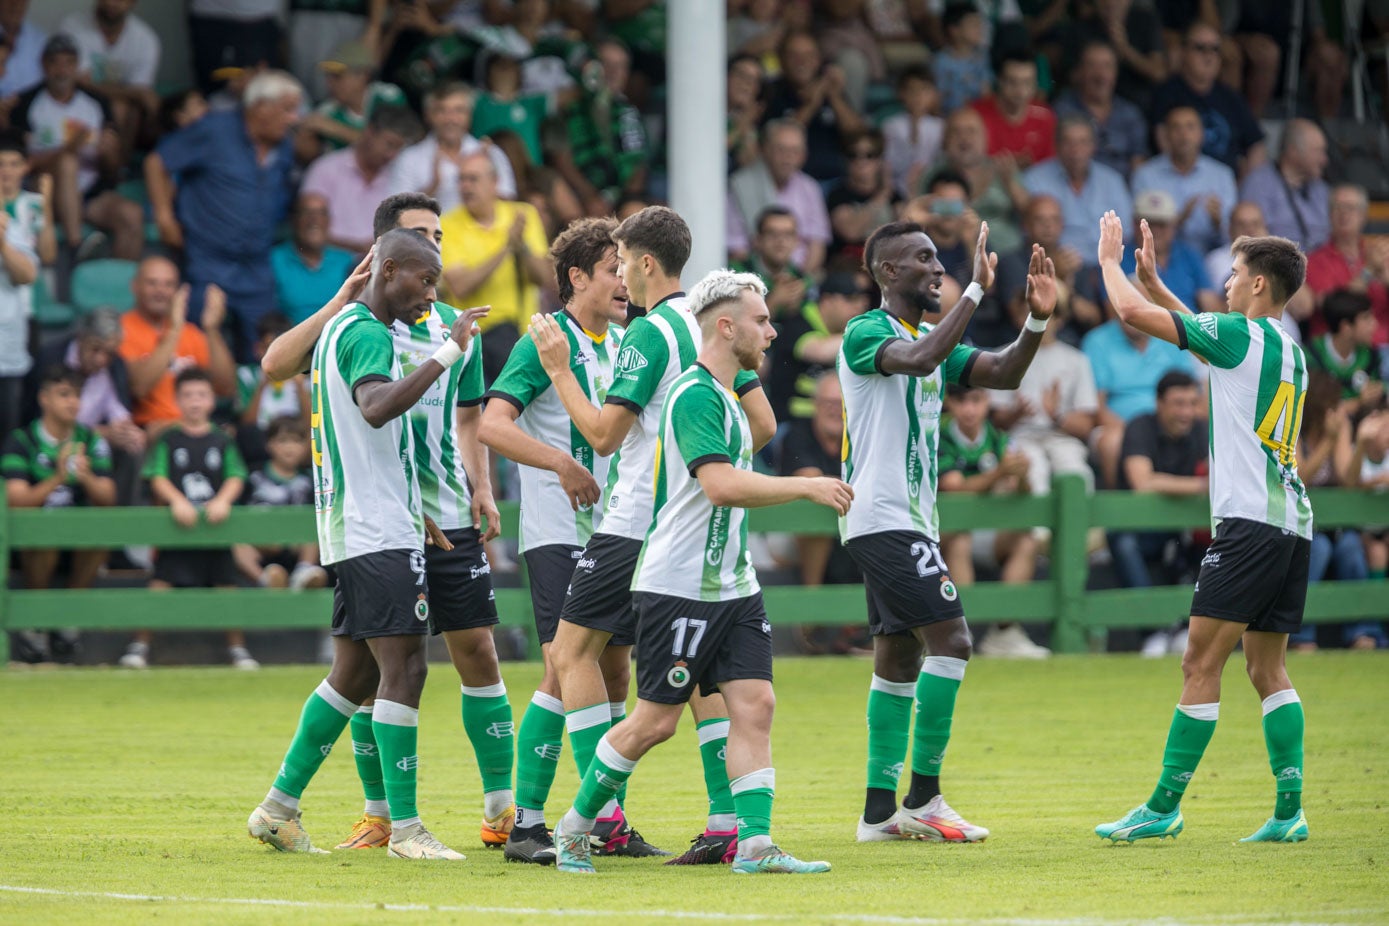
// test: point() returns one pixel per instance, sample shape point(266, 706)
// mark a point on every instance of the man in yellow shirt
point(494, 253)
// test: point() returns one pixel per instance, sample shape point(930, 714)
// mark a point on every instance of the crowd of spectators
point(239, 204)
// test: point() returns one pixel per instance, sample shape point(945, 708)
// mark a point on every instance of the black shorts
point(1254, 574)
point(460, 584)
point(548, 571)
point(600, 592)
point(196, 568)
point(382, 594)
point(906, 581)
point(680, 641)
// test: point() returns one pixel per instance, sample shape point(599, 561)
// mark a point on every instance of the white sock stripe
point(944, 667)
point(1201, 711)
point(613, 759)
point(365, 709)
point(397, 715)
point(486, 691)
point(1280, 699)
point(617, 709)
point(763, 778)
point(336, 701)
point(554, 705)
point(896, 689)
point(586, 717)
point(712, 731)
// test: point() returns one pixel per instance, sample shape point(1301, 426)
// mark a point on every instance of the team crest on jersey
point(213, 459)
point(947, 589)
point(181, 457)
point(630, 360)
point(988, 462)
point(422, 608)
point(1208, 324)
point(678, 676)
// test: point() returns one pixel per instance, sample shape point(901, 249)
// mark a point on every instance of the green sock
point(606, 773)
point(538, 745)
point(586, 727)
point(936, 688)
point(752, 796)
point(618, 711)
point(1190, 733)
point(1283, 725)
point(320, 724)
point(367, 756)
point(1376, 574)
point(487, 721)
point(889, 719)
point(713, 749)
point(397, 730)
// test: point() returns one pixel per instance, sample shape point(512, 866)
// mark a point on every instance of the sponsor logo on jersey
point(678, 676)
point(713, 554)
point(501, 730)
point(629, 361)
point(582, 357)
point(408, 763)
point(422, 608)
point(947, 589)
point(1211, 559)
point(586, 562)
point(477, 572)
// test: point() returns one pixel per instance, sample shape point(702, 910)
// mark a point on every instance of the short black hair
point(398, 119)
point(915, 72)
point(192, 375)
point(1015, 56)
point(389, 211)
point(660, 232)
point(886, 233)
point(955, 13)
point(957, 391)
point(582, 244)
point(947, 175)
point(1277, 260)
point(272, 324)
point(286, 425)
point(10, 140)
point(1343, 307)
point(60, 373)
point(771, 212)
point(1175, 379)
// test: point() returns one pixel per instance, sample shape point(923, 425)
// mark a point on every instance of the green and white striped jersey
point(695, 549)
point(1258, 383)
point(444, 492)
point(891, 429)
point(366, 497)
point(546, 517)
point(656, 349)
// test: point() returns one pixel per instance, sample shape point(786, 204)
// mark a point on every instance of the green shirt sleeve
point(864, 340)
point(639, 366)
point(948, 454)
point(523, 379)
point(471, 386)
point(959, 362)
point(365, 353)
point(697, 418)
point(157, 463)
point(746, 381)
point(1219, 338)
point(14, 460)
point(233, 466)
point(98, 453)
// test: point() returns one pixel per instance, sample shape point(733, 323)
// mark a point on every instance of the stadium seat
point(48, 312)
point(97, 283)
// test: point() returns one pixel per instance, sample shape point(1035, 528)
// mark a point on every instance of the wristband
point(449, 354)
point(1036, 324)
point(974, 293)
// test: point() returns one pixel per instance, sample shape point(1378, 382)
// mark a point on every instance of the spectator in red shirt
point(1016, 122)
point(1349, 261)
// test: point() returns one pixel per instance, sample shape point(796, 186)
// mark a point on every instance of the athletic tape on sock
point(762, 779)
point(617, 709)
point(365, 709)
point(335, 700)
point(486, 691)
point(586, 717)
point(711, 730)
point(897, 689)
point(944, 667)
point(613, 759)
point(397, 715)
point(545, 702)
point(1201, 711)
point(1279, 699)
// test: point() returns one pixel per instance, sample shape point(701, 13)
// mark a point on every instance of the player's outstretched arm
point(603, 427)
point(1132, 308)
point(1004, 369)
point(499, 430)
point(1145, 258)
point(290, 353)
point(729, 487)
point(379, 401)
point(922, 356)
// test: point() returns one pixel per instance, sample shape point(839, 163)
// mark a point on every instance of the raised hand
point(214, 307)
point(465, 325)
point(1041, 283)
point(1145, 258)
point(985, 264)
point(1111, 247)
point(178, 311)
point(551, 344)
point(356, 281)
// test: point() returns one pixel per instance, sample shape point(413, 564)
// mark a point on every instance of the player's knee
point(1196, 664)
point(618, 680)
point(959, 644)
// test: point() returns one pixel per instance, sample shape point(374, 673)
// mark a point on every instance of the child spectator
point(56, 462)
point(1346, 351)
point(261, 399)
point(194, 468)
point(1369, 470)
point(913, 136)
point(282, 481)
point(503, 105)
point(352, 97)
point(975, 457)
point(962, 67)
point(26, 240)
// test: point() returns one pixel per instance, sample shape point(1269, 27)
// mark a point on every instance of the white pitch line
point(868, 918)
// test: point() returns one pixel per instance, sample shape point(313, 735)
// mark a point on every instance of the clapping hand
point(1041, 283)
point(1111, 246)
point(985, 264)
point(550, 343)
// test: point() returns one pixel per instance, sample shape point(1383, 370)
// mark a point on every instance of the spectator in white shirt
point(431, 166)
point(118, 56)
point(913, 136)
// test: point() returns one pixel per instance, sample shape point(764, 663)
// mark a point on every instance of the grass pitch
point(139, 784)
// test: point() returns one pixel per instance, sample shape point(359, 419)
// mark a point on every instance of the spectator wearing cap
point(25, 40)
point(774, 246)
point(1121, 131)
point(864, 199)
point(71, 137)
point(431, 165)
point(234, 172)
point(119, 59)
point(352, 97)
point(243, 33)
point(1017, 123)
point(1351, 261)
point(1083, 186)
point(308, 270)
point(808, 344)
point(356, 179)
point(1182, 267)
point(1202, 187)
point(1294, 199)
point(776, 178)
point(1230, 132)
point(318, 27)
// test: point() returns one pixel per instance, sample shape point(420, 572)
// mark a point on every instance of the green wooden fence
point(1078, 616)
